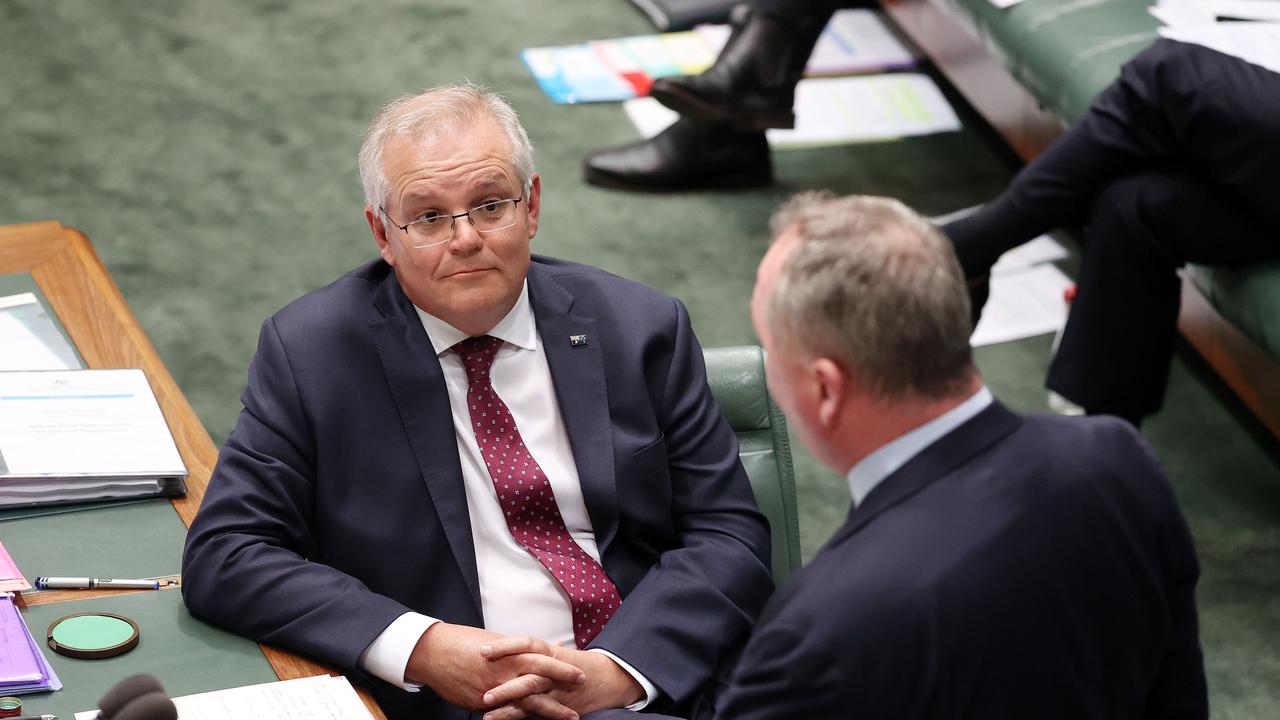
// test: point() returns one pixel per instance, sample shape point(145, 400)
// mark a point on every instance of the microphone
point(138, 697)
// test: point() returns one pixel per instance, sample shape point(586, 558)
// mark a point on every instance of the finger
point(506, 712)
point(544, 706)
point(549, 667)
point(517, 688)
point(518, 645)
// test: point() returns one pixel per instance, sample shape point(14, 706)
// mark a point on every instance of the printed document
point(321, 697)
point(83, 422)
point(1023, 303)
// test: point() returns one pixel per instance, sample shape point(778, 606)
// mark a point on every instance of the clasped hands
point(517, 677)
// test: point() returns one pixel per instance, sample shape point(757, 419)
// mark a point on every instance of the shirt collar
point(882, 463)
point(517, 327)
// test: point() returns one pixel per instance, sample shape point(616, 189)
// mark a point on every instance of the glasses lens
point(494, 215)
point(431, 229)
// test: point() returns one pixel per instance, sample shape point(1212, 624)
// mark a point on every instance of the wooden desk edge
point(46, 249)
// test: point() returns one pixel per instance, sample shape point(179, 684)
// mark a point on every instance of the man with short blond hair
point(497, 482)
point(993, 564)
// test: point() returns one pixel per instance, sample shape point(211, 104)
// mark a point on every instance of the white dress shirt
point(518, 595)
point(882, 463)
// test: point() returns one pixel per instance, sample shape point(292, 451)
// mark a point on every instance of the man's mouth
point(467, 273)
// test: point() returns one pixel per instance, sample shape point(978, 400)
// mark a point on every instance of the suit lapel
point(578, 373)
point(418, 388)
point(933, 463)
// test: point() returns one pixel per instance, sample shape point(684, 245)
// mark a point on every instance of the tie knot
point(477, 355)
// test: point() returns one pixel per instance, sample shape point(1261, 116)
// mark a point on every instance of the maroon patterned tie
point(525, 495)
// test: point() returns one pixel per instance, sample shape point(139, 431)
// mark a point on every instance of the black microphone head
point(127, 690)
point(152, 706)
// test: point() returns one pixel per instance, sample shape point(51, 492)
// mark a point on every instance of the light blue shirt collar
point(517, 327)
point(882, 463)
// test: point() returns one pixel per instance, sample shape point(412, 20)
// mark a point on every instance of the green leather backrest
point(736, 376)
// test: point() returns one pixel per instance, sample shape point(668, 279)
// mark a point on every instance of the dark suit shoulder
point(1056, 552)
point(597, 287)
point(1048, 489)
point(1098, 455)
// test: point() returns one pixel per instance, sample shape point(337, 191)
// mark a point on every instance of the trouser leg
point(1118, 342)
point(1174, 103)
point(752, 83)
point(795, 12)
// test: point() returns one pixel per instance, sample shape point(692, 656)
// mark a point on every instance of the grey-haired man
point(460, 455)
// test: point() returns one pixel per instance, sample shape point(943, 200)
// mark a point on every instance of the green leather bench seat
point(736, 377)
point(1064, 53)
point(1248, 297)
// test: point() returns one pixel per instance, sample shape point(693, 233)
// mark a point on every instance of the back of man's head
point(874, 286)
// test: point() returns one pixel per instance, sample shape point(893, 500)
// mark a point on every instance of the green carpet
point(208, 149)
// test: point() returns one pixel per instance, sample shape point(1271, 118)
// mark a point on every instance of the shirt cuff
point(387, 657)
point(650, 692)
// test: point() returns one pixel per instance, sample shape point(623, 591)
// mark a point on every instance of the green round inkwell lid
point(93, 635)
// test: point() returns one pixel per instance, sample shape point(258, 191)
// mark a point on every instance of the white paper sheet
point(84, 422)
point(1042, 249)
point(835, 111)
point(1258, 43)
point(1023, 304)
point(23, 349)
point(315, 698)
point(856, 40)
point(1197, 12)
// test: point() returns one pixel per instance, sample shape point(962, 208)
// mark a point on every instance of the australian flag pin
point(577, 340)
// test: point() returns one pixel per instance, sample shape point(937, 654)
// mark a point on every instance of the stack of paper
point(833, 111)
point(23, 667)
point(315, 698)
point(79, 435)
point(1247, 29)
point(613, 70)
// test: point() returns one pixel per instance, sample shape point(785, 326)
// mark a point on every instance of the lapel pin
point(577, 340)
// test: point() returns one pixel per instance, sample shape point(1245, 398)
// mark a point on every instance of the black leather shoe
point(753, 81)
point(689, 155)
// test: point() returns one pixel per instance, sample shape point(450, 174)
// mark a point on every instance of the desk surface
point(142, 539)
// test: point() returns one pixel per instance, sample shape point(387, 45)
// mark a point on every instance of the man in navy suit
point(993, 565)
point(459, 445)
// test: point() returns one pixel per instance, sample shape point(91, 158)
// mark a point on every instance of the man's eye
point(431, 218)
point(490, 207)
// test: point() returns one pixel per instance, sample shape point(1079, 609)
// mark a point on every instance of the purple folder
point(23, 668)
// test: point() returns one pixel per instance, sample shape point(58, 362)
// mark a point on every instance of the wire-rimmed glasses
point(434, 228)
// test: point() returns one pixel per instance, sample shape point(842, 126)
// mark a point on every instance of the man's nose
point(466, 239)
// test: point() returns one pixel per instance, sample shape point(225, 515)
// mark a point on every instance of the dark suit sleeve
point(245, 564)
point(695, 606)
point(787, 673)
point(1179, 690)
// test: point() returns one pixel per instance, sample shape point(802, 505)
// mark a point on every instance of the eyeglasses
point(434, 228)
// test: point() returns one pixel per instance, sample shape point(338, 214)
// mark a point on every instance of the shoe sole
point(738, 181)
point(690, 105)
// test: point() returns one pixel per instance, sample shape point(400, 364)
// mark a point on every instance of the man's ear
point(535, 204)
point(379, 231)
point(832, 384)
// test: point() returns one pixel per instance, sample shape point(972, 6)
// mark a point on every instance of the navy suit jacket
point(1019, 567)
point(337, 503)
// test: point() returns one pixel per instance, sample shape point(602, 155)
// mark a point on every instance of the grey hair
point(876, 287)
point(431, 114)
